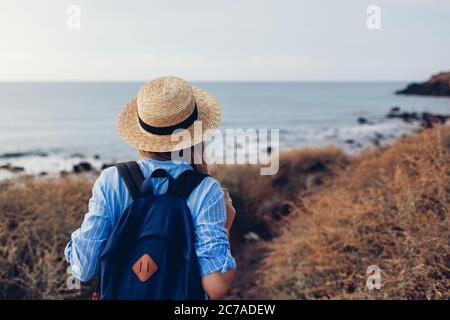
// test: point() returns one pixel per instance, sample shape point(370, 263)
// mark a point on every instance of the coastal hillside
point(310, 231)
point(437, 85)
point(389, 208)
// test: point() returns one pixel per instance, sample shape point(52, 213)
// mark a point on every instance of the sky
point(223, 40)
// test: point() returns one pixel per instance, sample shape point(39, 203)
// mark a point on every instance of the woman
point(163, 113)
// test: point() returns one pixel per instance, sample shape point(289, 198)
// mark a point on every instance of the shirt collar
point(166, 162)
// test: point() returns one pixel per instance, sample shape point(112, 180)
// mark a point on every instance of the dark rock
point(426, 119)
point(395, 109)
point(405, 116)
point(442, 117)
point(12, 155)
point(107, 165)
point(429, 120)
point(378, 139)
point(350, 141)
point(12, 168)
point(379, 136)
point(43, 173)
point(96, 156)
point(82, 167)
point(362, 120)
point(23, 154)
point(64, 173)
point(437, 85)
point(393, 113)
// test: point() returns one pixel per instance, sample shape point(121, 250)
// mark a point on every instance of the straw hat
point(163, 105)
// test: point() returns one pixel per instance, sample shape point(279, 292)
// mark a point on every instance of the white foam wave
point(351, 138)
point(37, 164)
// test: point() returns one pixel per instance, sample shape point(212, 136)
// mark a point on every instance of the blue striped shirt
point(110, 198)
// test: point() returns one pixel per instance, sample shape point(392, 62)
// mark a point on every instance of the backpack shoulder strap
point(187, 181)
point(132, 176)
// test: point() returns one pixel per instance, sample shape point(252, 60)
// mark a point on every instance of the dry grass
point(337, 215)
point(37, 217)
point(388, 208)
point(263, 201)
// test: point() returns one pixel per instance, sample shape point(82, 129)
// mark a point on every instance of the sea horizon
point(44, 81)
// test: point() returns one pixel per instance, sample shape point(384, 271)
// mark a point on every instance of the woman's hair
point(197, 160)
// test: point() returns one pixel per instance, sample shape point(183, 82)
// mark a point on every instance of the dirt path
point(248, 256)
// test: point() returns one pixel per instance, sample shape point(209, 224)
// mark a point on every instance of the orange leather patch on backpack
point(144, 267)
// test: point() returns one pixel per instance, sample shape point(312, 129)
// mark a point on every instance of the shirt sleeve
point(87, 242)
point(212, 246)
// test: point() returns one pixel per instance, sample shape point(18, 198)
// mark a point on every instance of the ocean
point(49, 127)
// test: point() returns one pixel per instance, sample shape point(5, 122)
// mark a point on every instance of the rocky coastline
point(81, 163)
point(437, 85)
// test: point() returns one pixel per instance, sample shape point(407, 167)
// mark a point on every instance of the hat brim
point(209, 113)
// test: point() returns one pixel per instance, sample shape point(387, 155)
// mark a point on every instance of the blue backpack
point(150, 253)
